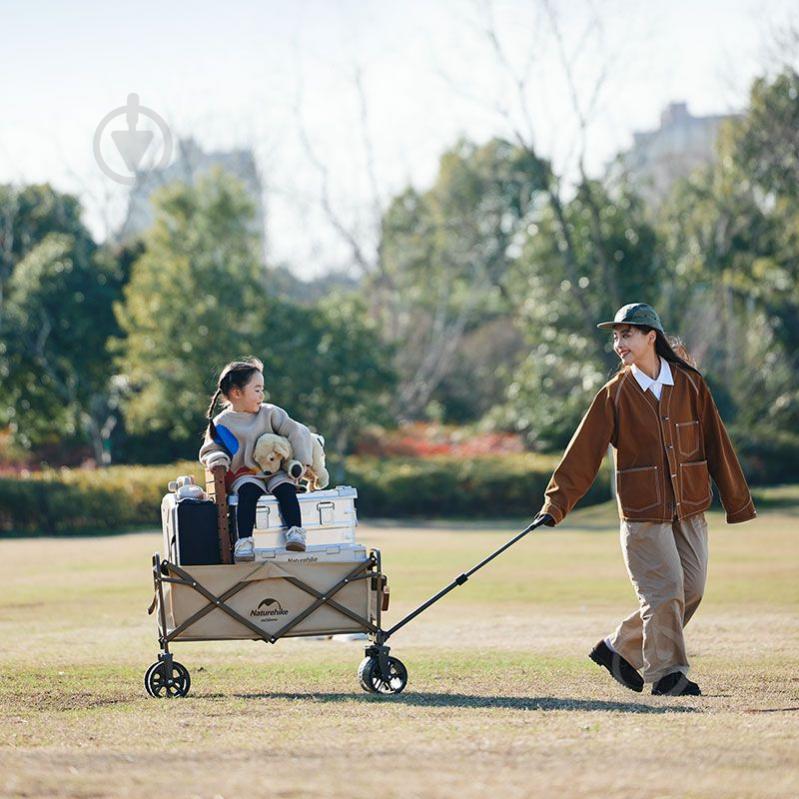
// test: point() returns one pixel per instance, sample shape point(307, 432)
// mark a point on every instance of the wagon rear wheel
point(162, 682)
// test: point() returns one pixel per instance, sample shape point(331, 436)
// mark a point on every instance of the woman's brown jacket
point(665, 452)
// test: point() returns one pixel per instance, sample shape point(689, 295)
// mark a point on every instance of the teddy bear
point(272, 450)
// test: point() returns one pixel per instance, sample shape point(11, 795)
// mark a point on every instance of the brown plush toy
point(273, 451)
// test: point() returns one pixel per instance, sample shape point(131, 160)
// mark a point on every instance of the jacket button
point(665, 418)
point(670, 446)
point(674, 475)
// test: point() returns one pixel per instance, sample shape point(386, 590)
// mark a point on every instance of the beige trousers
point(667, 564)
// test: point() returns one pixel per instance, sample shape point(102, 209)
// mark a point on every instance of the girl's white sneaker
point(244, 549)
point(295, 539)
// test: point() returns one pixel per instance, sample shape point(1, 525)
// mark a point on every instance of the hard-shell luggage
point(328, 517)
point(190, 531)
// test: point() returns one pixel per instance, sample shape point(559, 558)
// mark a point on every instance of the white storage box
point(328, 517)
point(315, 553)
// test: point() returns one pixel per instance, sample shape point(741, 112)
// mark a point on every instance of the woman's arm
point(722, 462)
point(583, 456)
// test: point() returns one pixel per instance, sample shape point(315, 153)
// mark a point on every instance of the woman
point(668, 440)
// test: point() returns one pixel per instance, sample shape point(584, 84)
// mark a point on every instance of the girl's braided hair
point(236, 374)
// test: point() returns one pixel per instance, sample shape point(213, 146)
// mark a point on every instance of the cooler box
point(314, 553)
point(328, 517)
point(270, 600)
point(190, 531)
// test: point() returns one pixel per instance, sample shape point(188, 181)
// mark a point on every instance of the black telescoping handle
point(462, 578)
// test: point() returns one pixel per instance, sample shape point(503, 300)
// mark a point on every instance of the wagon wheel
point(372, 681)
point(159, 684)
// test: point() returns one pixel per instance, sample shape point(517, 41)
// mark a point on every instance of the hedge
point(125, 497)
point(86, 501)
point(444, 487)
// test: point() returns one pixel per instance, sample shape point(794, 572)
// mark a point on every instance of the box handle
point(326, 514)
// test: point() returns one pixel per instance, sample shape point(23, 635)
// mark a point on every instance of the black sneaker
point(675, 684)
point(619, 668)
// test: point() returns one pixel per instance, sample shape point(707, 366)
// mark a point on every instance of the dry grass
point(501, 697)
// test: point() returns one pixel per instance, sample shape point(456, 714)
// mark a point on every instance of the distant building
point(190, 163)
point(658, 158)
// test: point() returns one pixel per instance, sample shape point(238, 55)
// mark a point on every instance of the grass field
point(501, 699)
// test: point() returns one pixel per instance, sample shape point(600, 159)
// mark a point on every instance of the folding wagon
point(334, 587)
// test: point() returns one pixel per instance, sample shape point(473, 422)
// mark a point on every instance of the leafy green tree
point(731, 236)
point(443, 256)
point(330, 370)
point(198, 298)
point(27, 215)
point(55, 317)
point(560, 295)
point(194, 301)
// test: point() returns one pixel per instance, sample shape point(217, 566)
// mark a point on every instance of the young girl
point(230, 440)
point(668, 440)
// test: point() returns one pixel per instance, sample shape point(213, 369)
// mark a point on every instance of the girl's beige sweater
point(247, 428)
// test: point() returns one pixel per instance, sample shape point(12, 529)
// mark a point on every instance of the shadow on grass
point(473, 701)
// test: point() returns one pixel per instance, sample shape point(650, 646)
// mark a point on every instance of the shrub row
point(444, 487)
point(122, 497)
point(86, 501)
point(768, 455)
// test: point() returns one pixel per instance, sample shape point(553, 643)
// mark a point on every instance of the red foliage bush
point(427, 440)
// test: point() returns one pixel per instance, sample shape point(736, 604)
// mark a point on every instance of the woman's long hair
point(670, 348)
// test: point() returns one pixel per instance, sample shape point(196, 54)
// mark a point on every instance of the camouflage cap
point(636, 313)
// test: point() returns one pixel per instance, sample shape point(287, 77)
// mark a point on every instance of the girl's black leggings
point(287, 502)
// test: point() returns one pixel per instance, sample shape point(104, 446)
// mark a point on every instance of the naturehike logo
point(269, 608)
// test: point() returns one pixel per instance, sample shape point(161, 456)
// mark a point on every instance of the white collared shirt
point(664, 378)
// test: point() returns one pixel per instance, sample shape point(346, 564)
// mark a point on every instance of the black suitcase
point(190, 532)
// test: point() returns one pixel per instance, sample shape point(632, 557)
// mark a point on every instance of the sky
point(360, 97)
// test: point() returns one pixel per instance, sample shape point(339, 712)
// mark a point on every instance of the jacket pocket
point(694, 483)
point(639, 488)
point(687, 437)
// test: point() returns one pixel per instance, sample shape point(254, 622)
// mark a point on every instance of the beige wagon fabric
point(268, 600)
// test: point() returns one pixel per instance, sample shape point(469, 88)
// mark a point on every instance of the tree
point(27, 215)
point(731, 237)
point(555, 287)
point(194, 301)
point(56, 315)
point(197, 299)
point(444, 254)
point(331, 369)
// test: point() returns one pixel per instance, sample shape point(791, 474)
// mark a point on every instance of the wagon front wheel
point(161, 681)
point(375, 683)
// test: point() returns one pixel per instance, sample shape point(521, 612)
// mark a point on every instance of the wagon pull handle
point(462, 578)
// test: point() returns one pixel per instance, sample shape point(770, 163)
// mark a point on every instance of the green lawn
point(501, 697)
